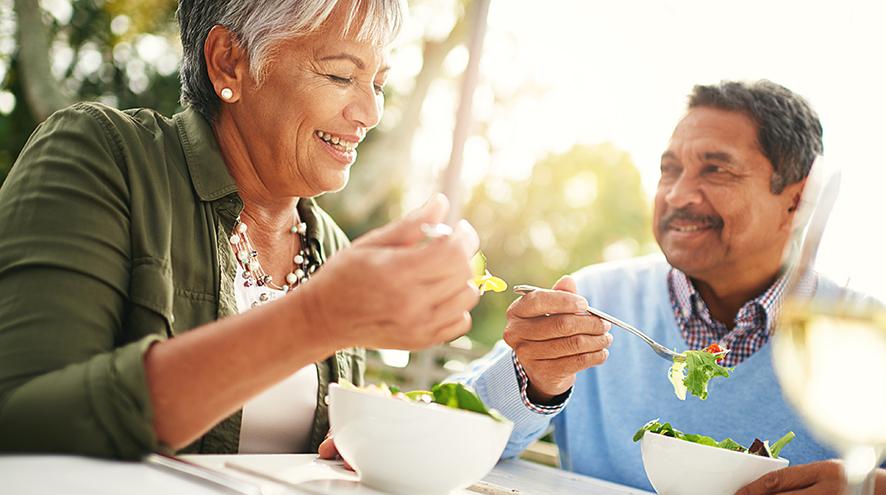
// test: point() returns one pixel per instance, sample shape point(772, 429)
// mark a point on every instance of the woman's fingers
point(452, 330)
point(327, 449)
point(462, 298)
point(407, 230)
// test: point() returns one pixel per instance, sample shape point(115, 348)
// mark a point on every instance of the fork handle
point(615, 321)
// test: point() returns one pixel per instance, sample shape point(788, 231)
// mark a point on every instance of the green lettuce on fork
point(758, 447)
point(694, 373)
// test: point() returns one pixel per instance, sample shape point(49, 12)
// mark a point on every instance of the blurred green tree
point(580, 207)
point(375, 189)
point(124, 53)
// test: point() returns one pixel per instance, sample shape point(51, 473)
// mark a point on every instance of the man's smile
point(686, 222)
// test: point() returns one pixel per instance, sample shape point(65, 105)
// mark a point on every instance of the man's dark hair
point(788, 130)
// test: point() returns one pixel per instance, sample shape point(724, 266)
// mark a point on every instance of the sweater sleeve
point(494, 378)
point(71, 380)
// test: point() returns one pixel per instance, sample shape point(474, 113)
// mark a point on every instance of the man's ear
point(226, 63)
point(795, 193)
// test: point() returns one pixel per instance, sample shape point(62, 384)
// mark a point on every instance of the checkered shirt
point(753, 324)
point(523, 380)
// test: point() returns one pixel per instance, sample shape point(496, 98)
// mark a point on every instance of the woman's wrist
point(313, 325)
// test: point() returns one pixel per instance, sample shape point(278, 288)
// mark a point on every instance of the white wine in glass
point(830, 343)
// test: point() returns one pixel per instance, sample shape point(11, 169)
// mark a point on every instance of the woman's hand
point(327, 450)
point(391, 290)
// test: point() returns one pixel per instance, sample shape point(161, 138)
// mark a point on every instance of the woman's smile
point(342, 149)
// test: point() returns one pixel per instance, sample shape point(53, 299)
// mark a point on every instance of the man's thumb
point(566, 283)
point(407, 230)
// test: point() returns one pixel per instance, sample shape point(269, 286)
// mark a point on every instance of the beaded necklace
point(255, 275)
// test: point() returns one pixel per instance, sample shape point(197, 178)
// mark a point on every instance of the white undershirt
point(278, 420)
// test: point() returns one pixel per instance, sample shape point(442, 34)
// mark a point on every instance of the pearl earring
point(227, 93)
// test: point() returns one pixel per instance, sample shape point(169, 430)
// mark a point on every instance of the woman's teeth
point(339, 144)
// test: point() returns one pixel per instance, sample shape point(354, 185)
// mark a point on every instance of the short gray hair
point(260, 25)
point(788, 130)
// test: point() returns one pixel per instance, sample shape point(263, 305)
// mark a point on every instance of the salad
point(454, 395)
point(758, 447)
point(484, 280)
point(694, 373)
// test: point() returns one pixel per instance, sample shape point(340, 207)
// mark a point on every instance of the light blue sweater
point(609, 403)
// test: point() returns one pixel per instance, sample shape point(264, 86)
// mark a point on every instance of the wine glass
point(829, 346)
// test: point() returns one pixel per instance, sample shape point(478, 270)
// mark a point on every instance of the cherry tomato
point(715, 349)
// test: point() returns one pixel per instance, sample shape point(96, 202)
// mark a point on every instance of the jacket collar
point(211, 178)
point(209, 174)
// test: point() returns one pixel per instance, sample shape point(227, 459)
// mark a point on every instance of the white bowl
point(407, 448)
point(678, 467)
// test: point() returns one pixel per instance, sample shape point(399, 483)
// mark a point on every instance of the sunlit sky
point(578, 71)
point(587, 71)
point(564, 72)
point(620, 72)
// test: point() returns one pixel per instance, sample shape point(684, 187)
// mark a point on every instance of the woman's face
point(318, 99)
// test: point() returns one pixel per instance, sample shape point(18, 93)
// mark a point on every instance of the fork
point(217, 479)
point(659, 349)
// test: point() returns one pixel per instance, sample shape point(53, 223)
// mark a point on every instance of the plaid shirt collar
point(753, 324)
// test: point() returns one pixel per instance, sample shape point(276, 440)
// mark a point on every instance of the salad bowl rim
point(433, 406)
point(780, 460)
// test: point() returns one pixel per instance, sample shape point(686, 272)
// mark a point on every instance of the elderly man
point(731, 180)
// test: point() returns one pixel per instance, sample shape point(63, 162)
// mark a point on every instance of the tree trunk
point(390, 156)
point(43, 94)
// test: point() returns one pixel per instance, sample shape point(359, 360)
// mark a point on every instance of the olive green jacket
point(113, 235)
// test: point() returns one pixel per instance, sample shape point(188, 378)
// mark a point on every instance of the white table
point(38, 475)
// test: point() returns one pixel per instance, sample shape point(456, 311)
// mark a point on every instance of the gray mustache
point(682, 214)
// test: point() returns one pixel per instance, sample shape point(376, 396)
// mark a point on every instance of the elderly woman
point(169, 284)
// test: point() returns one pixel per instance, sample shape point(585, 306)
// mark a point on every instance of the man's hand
point(817, 478)
point(553, 340)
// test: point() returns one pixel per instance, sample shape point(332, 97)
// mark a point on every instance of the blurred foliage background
point(574, 208)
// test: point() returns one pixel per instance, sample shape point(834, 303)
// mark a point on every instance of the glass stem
point(864, 487)
point(860, 465)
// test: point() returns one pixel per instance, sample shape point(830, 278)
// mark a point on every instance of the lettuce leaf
point(781, 442)
point(699, 367)
point(458, 396)
point(454, 395)
point(655, 426)
point(484, 280)
point(676, 375)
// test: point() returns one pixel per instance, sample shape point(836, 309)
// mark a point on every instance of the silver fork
point(217, 479)
point(659, 349)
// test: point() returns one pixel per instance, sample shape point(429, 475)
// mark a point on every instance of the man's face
point(715, 216)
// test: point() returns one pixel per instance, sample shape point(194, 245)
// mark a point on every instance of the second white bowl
point(678, 467)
